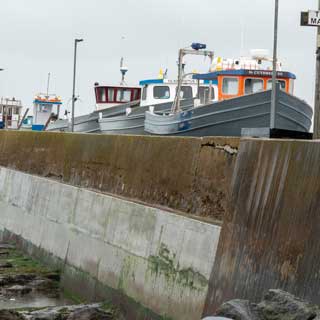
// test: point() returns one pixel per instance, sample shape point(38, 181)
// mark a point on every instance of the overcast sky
point(37, 38)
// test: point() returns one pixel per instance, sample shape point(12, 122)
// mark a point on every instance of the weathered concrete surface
point(160, 259)
point(270, 237)
point(186, 174)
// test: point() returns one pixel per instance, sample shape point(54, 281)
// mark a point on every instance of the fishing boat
point(111, 101)
point(10, 113)
point(159, 95)
point(132, 122)
point(46, 108)
point(110, 96)
point(244, 102)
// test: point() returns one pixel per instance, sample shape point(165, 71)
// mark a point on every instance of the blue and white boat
point(46, 108)
point(158, 95)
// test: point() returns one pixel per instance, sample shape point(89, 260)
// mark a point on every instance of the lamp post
point(274, 71)
point(76, 41)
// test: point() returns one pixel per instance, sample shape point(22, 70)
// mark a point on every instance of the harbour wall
point(270, 235)
point(190, 175)
point(111, 248)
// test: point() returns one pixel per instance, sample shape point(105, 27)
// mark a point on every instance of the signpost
point(312, 19)
point(274, 67)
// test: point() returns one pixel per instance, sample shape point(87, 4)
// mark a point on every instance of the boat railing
point(5, 102)
point(122, 105)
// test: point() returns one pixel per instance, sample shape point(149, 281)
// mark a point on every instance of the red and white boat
point(111, 100)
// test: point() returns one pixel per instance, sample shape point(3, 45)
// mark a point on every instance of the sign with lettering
point(314, 18)
point(310, 18)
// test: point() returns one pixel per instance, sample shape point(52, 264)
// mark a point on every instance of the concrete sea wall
point(191, 175)
point(270, 236)
point(137, 218)
point(159, 259)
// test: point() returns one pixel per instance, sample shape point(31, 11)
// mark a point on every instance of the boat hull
point(89, 123)
point(134, 122)
point(229, 117)
point(59, 126)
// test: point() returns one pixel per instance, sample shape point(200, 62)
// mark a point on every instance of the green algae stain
point(22, 264)
point(127, 273)
point(164, 264)
point(192, 279)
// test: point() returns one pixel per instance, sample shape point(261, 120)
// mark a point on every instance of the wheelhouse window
point(117, 94)
point(204, 93)
point(144, 93)
point(110, 94)
point(136, 94)
point(186, 92)
point(123, 95)
point(282, 84)
point(291, 86)
point(230, 86)
point(253, 85)
point(102, 95)
point(161, 92)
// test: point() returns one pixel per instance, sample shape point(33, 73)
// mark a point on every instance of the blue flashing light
point(198, 46)
point(37, 127)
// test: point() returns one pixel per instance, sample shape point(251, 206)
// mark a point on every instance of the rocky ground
point(276, 305)
point(20, 275)
point(77, 312)
point(80, 312)
point(23, 279)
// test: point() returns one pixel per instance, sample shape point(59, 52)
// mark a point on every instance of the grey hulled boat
point(244, 104)
point(133, 122)
point(111, 101)
point(89, 123)
point(229, 117)
point(159, 95)
point(235, 95)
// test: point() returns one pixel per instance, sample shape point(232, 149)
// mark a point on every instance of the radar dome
point(259, 54)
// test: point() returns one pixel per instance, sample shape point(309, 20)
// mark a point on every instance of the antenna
point(123, 71)
point(242, 37)
point(48, 83)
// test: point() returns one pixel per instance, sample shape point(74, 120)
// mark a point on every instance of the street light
point(76, 41)
point(274, 71)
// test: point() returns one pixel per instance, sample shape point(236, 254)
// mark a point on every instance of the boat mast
point(123, 71)
point(48, 84)
point(197, 49)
